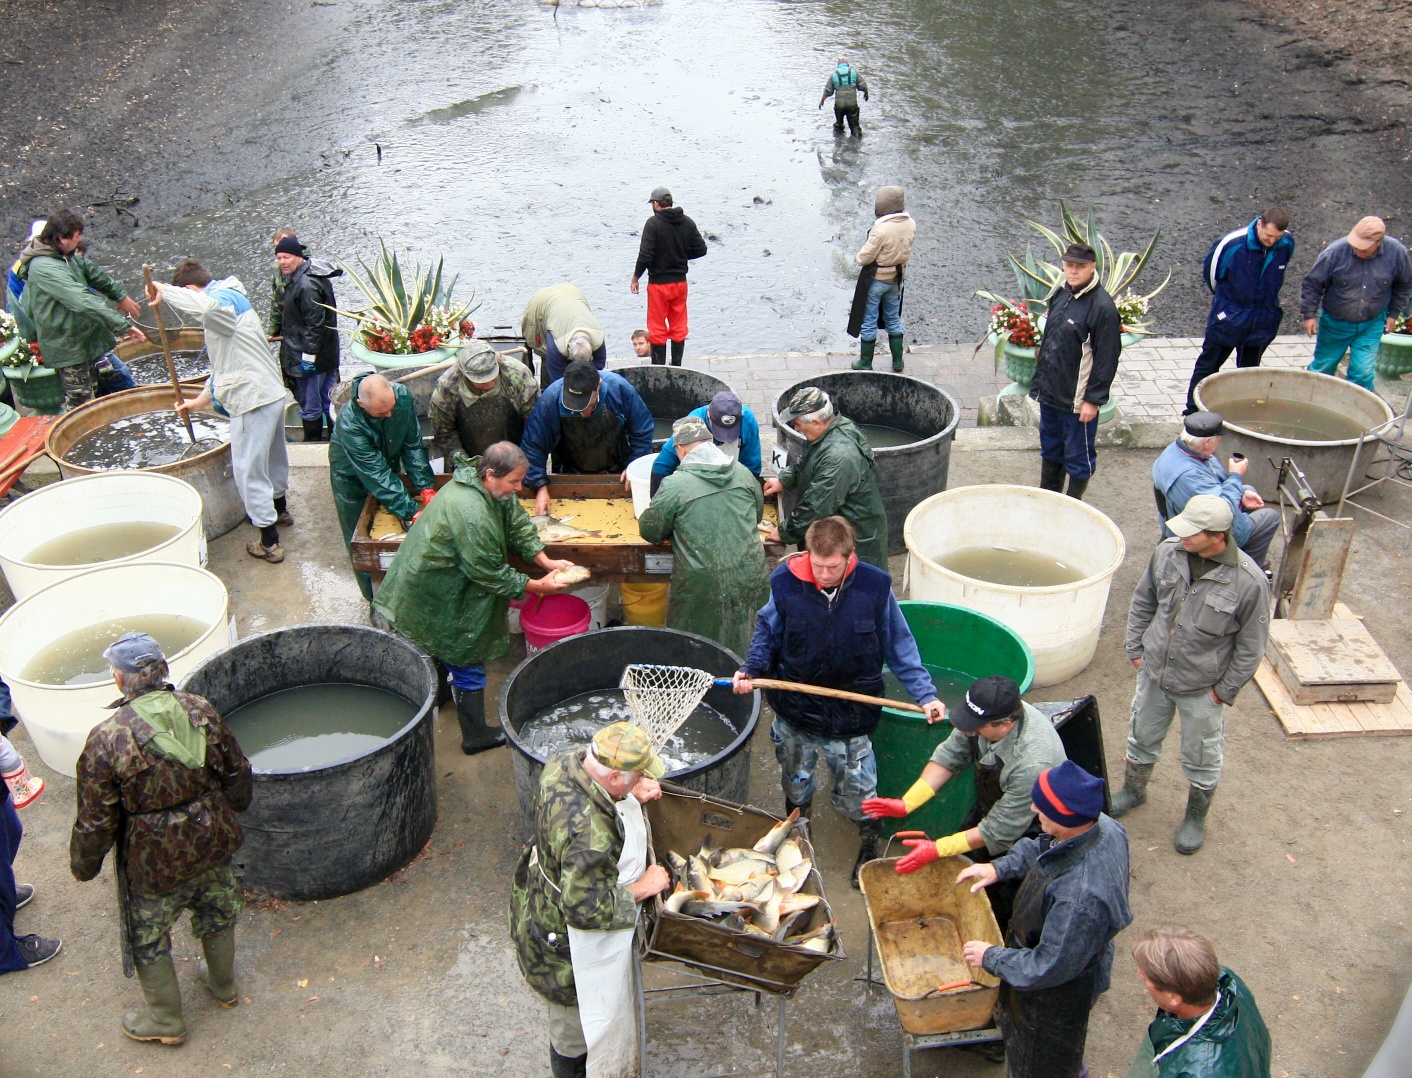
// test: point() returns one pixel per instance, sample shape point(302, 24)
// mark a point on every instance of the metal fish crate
point(680, 821)
point(920, 921)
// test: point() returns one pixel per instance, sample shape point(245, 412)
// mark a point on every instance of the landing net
point(663, 697)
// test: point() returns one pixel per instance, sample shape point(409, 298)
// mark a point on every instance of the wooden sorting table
point(596, 503)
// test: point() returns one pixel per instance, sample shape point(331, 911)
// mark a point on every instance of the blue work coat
point(1245, 278)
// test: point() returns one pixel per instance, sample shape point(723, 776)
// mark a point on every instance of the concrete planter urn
point(1394, 355)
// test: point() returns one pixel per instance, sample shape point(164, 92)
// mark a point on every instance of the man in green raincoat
point(449, 587)
point(377, 433)
point(835, 476)
point(709, 508)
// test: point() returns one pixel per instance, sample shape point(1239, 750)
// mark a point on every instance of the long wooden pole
point(837, 694)
point(167, 352)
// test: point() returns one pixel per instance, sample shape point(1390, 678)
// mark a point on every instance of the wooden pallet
point(1335, 720)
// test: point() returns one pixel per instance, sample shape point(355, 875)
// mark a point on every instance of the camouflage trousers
point(851, 759)
point(215, 899)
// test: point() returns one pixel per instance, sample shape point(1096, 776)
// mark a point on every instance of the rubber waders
point(1051, 475)
point(1192, 832)
point(869, 835)
point(567, 1066)
point(476, 736)
point(1077, 488)
point(864, 362)
point(162, 1019)
point(217, 970)
point(659, 354)
point(678, 351)
point(1134, 791)
point(894, 344)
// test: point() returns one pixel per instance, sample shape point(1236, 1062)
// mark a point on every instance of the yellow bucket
point(644, 604)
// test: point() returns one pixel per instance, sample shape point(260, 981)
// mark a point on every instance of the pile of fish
point(755, 890)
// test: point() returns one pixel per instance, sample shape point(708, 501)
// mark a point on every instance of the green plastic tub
point(957, 646)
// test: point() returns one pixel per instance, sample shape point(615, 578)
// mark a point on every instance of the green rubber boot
point(1134, 791)
point(162, 1020)
point(864, 362)
point(894, 343)
point(217, 970)
point(1192, 833)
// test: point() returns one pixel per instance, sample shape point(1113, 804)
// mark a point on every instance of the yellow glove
point(953, 845)
point(920, 793)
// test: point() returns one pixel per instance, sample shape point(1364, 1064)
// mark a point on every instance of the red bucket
point(552, 617)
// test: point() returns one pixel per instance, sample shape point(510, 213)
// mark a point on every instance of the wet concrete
point(417, 974)
point(522, 146)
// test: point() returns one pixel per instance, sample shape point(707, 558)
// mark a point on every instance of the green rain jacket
point(73, 324)
point(836, 476)
point(569, 876)
point(1232, 1043)
point(449, 587)
point(719, 579)
point(364, 455)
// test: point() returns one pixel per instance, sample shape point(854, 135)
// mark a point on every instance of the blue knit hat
point(1068, 795)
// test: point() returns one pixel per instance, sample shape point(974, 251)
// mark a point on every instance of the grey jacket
point(1353, 289)
point(1207, 634)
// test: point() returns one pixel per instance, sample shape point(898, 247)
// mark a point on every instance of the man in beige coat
point(883, 258)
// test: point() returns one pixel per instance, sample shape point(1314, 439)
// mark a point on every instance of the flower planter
point(1394, 355)
point(37, 388)
point(1020, 366)
point(388, 361)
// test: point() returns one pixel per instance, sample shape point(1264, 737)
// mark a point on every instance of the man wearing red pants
point(669, 241)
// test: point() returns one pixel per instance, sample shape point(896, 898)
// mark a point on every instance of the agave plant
point(404, 311)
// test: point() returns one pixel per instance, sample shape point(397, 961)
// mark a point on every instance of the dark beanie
point(1068, 795)
point(290, 245)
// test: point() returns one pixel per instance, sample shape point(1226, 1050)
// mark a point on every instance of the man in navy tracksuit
point(1245, 271)
point(1078, 359)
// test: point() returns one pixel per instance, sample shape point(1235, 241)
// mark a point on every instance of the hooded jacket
point(669, 241)
point(835, 475)
point(1245, 278)
point(307, 321)
point(1078, 357)
point(73, 325)
point(890, 240)
point(244, 375)
point(1232, 1043)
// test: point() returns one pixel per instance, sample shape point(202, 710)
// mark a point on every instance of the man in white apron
point(576, 895)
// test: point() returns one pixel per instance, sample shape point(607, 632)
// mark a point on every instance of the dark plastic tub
point(670, 393)
point(907, 474)
point(581, 664)
point(332, 830)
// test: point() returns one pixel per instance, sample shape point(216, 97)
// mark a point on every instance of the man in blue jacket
point(733, 429)
point(1245, 271)
point(592, 421)
point(831, 620)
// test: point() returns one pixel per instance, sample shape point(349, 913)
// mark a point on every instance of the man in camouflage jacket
point(570, 874)
point(162, 780)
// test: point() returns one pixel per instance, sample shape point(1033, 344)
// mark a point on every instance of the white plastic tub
point(1060, 624)
point(59, 717)
point(640, 480)
point(596, 596)
point(93, 501)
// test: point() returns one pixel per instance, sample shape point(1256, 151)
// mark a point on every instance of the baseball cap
point(580, 380)
point(1078, 252)
point(1367, 233)
point(1204, 424)
point(625, 747)
point(132, 651)
point(1203, 513)
point(478, 361)
point(805, 402)
point(660, 194)
point(987, 700)
point(690, 430)
point(723, 416)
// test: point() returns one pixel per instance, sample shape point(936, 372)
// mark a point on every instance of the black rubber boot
point(476, 736)
point(1051, 475)
point(1192, 833)
point(895, 342)
point(678, 351)
point(1134, 791)
point(805, 808)
point(869, 835)
point(313, 429)
point(659, 354)
point(864, 362)
point(1077, 488)
point(568, 1066)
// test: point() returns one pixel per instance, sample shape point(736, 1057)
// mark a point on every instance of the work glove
point(425, 496)
point(306, 364)
point(920, 793)
point(925, 850)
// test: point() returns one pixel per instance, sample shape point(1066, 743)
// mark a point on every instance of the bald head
point(376, 397)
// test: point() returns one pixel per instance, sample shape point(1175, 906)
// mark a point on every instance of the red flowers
point(424, 339)
point(35, 357)
point(1016, 322)
point(379, 341)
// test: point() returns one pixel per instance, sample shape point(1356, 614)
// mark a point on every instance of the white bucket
point(596, 596)
point(59, 717)
point(1059, 623)
point(640, 480)
point(92, 501)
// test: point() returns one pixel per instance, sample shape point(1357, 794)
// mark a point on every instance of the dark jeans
point(1213, 357)
point(10, 832)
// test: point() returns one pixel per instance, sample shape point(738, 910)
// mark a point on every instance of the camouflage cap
point(478, 361)
point(690, 430)
point(807, 401)
point(625, 747)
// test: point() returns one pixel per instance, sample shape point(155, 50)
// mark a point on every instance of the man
point(1244, 271)
point(709, 509)
point(831, 620)
point(1352, 295)
point(309, 334)
point(844, 86)
point(1207, 1023)
point(641, 344)
point(245, 383)
point(162, 779)
point(593, 422)
point(1078, 359)
point(1058, 953)
point(277, 288)
point(834, 476)
point(1009, 743)
point(884, 259)
point(482, 399)
point(1201, 614)
point(1189, 467)
point(449, 587)
point(63, 297)
point(559, 326)
point(669, 241)
point(577, 893)
point(377, 433)
point(733, 428)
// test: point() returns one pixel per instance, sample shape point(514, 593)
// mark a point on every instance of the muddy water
point(148, 440)
point(76, 658)
point(1292, 420)
point(316, 725)
point(881, 437)
point(1005, 565)
point(108, 542)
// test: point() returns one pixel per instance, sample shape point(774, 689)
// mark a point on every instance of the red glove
point(415, 515)
point(425, 497)
point(885, 806)
point(923, 853)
